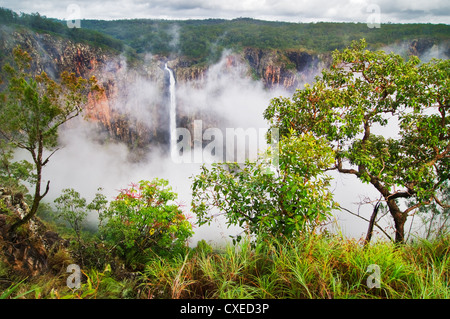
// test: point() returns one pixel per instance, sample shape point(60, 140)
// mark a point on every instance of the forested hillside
point(39, 23)
point(204, 40)
point(201, 38)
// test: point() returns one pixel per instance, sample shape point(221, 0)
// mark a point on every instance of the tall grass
point(310, 267)
point(316, 266)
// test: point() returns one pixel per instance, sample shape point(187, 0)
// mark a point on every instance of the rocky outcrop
point(133, 106)
point(288, 69)
point(26, 251)
point(427, 49)
point(275, 68)
point(54, 54)
point(114, 110)
point(189, 73)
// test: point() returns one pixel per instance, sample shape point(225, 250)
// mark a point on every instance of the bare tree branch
point(376, 224)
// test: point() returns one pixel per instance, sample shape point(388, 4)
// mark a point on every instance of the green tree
point(13, 174)
point(363, 91)
point(282, 203)
point(72, 209)
point(142, 219)
point(99, 204)
point(437, 217)
point(32, 108)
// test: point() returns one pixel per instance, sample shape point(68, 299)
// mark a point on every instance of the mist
point(431, 51)
point(226, 97)
point(87, 159)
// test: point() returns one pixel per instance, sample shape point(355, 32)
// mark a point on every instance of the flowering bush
point(144, 219)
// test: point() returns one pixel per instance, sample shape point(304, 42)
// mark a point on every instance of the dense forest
point(203, 40)
point(40, 23)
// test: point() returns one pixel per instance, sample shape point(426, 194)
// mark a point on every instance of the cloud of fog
point(403, 11)
point(174, 33)
point(404, 49)
point(85, 162)
point(85, 165)
point(229, 93)
point(132, 93)
point(227, 98)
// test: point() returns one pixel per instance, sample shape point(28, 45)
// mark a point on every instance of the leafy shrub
point(293, 199)
point(141, 220)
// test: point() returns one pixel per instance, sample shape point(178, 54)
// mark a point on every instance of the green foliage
point(43, 24)
point(312, 267)
point(203, 247)
point(14, 174)
point(142, 220)
point(72, 209)
point(32, 108)
point(317, 267)
point(436, 217)
point(12, 289)
point(204, 40)
point(364, 90)
point(281, 204)
point(99, 204)
point(99, 284)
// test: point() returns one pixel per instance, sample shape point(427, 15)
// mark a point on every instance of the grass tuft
point(314, 267)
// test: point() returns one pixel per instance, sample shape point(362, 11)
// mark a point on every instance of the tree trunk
point(37, 190)
point(400, 229)
point(399, 221)
point(36, 200)
point(396, 213)
point(371, 224)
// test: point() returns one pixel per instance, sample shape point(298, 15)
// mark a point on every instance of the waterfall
point(173, 111)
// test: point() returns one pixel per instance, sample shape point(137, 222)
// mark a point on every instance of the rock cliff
point(114, 111)
point(30, 250)
point(289, 69)
point(275, 68)
point(133, 107)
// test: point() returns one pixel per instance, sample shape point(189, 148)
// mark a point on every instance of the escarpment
point(133, 106)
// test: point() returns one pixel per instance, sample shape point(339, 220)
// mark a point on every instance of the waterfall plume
point(173, 110)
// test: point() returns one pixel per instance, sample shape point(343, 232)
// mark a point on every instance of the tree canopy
point(202, 41)
point(351, 105)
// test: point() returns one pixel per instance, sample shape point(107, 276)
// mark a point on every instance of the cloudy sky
point(403, 11)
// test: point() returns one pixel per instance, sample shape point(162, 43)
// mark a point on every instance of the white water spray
point(173, 111)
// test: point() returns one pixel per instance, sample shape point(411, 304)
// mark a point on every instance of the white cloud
point(434, 11)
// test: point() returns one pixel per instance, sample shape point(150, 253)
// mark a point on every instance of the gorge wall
point(133, 107)
point(119, 111)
